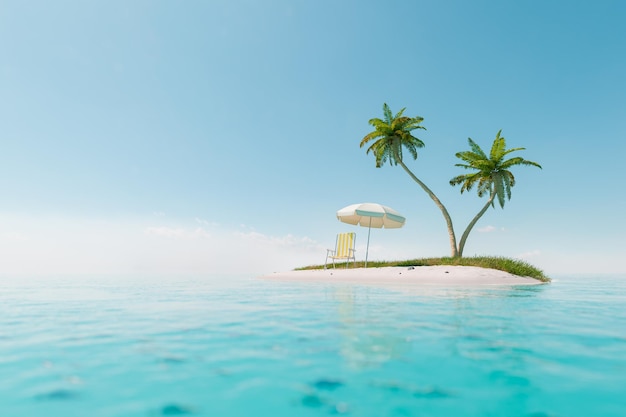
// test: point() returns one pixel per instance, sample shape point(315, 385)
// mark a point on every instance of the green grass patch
point(512, 266)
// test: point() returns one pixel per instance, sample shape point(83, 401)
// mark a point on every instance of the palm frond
point(476, 149)
point(381, 156)
point(375, 121)
point(379, 124)
point(376, 146)
point(467, 181)
point(387, 113)
point(497, 148)
point(506, 180)
point(399, 114)
point(510, 178)
point(485, 186)
point(412, 148)
point(457, 180)
point(395, 151)
point(370, 136)
point(391, 135)
point(416, 121)
point(471, 180)
point(399, 124)
point(508, 151)
point(468, 156)
point(406, 124)
point(464, 166)
point(498, 184)
point(408, 139)
point(519, 161)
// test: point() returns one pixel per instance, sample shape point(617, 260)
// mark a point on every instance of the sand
point(403, 276)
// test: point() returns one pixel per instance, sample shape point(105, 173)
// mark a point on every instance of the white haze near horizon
point(57, 245)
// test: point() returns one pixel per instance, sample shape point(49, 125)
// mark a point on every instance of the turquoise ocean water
point(239, 346)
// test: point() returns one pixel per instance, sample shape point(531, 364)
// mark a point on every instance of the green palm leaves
point(391, 135)
point(492, 175)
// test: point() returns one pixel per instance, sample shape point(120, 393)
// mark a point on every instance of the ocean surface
point(239, 346)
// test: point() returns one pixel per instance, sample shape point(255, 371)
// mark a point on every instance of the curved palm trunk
point(473, 222)
point(446, 216)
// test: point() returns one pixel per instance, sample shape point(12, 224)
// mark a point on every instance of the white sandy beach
point(407, 276)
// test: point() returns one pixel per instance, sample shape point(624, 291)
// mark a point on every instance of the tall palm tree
point(491, 176)
point(393, 134)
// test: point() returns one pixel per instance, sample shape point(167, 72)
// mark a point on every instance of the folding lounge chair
point(344, 249)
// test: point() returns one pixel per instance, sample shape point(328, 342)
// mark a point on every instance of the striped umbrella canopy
point(371, 215)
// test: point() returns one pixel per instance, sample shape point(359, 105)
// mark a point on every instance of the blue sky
point(222, 136)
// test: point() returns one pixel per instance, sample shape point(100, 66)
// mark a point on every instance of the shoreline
point(440, 275)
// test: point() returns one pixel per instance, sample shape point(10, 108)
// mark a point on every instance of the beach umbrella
point(371, 215)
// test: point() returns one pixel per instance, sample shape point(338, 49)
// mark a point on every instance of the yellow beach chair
point(344, 249)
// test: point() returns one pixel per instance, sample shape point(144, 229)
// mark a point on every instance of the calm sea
point(240, 346)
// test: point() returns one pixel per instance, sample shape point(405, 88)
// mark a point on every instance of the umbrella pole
point(367, 249)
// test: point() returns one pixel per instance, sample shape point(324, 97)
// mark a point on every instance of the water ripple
point(202, 346)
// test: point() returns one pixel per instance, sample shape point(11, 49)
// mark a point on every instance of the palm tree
point(491, 176)
point(390, 137)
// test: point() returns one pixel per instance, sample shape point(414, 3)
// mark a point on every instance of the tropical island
point(509, 266)
point(489, 173)
point(469, 271)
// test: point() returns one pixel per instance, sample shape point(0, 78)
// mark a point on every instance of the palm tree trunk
point(473, 222)
point(446, 216)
